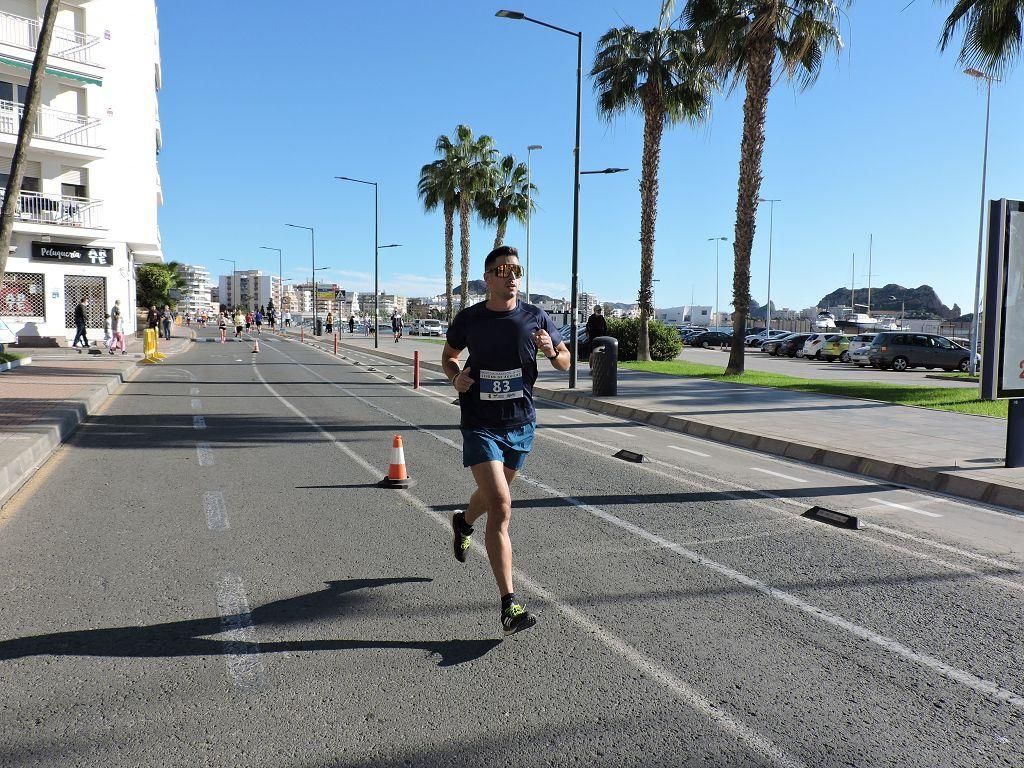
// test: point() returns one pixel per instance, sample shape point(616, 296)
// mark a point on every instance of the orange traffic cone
point(397, 475)
point(255, 345)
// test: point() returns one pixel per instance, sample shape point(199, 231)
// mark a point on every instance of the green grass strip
point(959, 399)
point(7, 357)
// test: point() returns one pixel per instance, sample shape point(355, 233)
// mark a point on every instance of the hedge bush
point(664, 339)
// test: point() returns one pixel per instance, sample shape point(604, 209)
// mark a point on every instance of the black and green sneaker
point(460, 536)
point(516, 618)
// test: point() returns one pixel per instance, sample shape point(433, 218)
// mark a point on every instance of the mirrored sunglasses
point(505, 271)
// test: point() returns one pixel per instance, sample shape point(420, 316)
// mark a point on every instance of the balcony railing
point(53, 124)
point(66, 43)
point(61, 210)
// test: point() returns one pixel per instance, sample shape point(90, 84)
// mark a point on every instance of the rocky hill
point(921, 302)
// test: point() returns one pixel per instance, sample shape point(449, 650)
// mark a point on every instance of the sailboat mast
point(871, 245)
point(853, 278)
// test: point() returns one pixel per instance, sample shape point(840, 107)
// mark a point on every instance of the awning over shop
point(56, 71)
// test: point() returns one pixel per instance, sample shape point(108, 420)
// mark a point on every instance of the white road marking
point(778, 474)
point(894, 505)
point(946, 547)
point(205, 454)
point(723, 719)
point(972, 681)
point(567, 418)
point(198, 422)
point(241, 652)
point(687, 450)
point(216, 511)
point(617, 432)
point(196, 403)
point(194, 391)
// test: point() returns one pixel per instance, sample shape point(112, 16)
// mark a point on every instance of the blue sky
point(262, 108)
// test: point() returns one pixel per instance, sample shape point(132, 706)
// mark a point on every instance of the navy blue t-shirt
point(502, 362)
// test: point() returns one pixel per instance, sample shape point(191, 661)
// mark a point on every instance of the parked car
point(901, 351)
point(426, 327)
point(836, 348)
point(771, 346)
point(858, 350)
point(792, 346)
point(756, 339)
point(709, 339)
point(813, 346)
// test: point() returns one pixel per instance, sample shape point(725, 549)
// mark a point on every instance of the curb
point(878, 469)
point(15, 364)
point(69, 418)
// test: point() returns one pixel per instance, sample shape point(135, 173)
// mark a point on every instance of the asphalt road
point(207, 575)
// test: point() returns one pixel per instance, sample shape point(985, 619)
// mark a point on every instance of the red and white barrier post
point(335, 343)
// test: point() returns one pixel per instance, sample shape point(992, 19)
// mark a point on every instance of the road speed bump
point(831, 517)
point(633, 456)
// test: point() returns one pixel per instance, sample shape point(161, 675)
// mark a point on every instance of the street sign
point(73, 253)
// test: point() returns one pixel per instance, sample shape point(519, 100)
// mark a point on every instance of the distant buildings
point(249, 289)
point(685, 315)
point(195, 296)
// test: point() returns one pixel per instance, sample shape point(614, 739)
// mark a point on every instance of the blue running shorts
point(509, 446)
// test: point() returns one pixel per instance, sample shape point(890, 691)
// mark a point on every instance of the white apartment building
point(587, 302)
point(249, 289)
point(685, 315)
point(88, 205)
point(195, 296)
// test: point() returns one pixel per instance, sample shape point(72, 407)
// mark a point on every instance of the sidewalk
point(43, 403)
point(952, 453)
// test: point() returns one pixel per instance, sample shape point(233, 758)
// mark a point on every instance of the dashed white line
point(196, 403)
point(198, 422)
point(567, 418)
point(241, 651)
point(205, 454)
point(778, 474)
point(616, 432)
point(688, 450)
point(194, 391)
point(894, 505)
point(216, 511)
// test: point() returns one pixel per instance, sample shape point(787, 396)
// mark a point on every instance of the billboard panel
point(1011, 363)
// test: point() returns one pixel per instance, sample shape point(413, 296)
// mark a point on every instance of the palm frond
point(992, 33)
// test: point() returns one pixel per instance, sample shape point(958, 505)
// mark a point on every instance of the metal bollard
point(604, 366)
point(335, 343)
point(302, 334)
point(416, 369)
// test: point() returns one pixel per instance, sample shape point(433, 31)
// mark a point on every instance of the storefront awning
point(56, 71)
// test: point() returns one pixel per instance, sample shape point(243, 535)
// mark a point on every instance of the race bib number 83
point(501, 385)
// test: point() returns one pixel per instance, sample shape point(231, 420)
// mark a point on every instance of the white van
point(426, 328)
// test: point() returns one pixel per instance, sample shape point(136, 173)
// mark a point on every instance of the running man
point(495, 390)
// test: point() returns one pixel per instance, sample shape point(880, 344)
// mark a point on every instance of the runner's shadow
point(192, 637)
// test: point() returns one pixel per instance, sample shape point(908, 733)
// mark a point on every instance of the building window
point(23, 294)
point(8, 92)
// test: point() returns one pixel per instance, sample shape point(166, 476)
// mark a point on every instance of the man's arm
point(453, 370)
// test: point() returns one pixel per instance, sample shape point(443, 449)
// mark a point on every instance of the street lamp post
point(231, 281)
point(529, 206)
point(312, 250)
point(315, 297)
point(518, 15)
point(717, 241)
point(975, 73)
point(280, 279)
point(376, 253)
point(771, 232)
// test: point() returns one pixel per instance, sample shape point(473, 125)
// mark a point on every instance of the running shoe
point(460, 540)
point(516, 618)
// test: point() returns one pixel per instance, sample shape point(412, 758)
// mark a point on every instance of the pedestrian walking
point(106, 328)
point(366, 326)
point(330, 323)
point(396, 325)
point(352, 324)
point(596, 326)
point(80, 324)
point(153, 319)
point(117, 329)
point(248, 320)
point(167, 318)
point(258, 320)
point(498, 422)
point(239, 322)
point(222, 324)
point(287, 319)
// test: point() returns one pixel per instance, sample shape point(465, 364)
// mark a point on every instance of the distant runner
point(495, 390)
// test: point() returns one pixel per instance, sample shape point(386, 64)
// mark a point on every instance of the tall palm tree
point(992, 32)
point(744, 39)
point(437, 188)
point(471, 159)
point(505, 197)
point(660, 74)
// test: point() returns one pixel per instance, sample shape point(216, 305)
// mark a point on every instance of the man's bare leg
point(492, 498)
